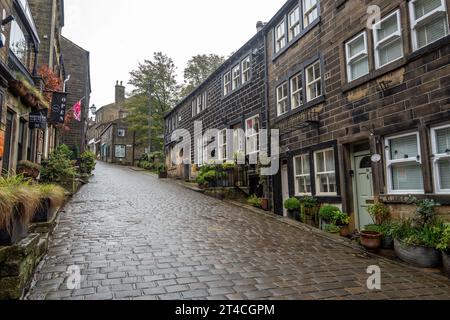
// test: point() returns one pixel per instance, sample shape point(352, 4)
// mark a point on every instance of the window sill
point(296, 39)
point(428, 48)
point(303, 108)
point(443, 199)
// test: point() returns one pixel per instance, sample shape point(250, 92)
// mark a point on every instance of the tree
point(198, 69)
point(155, 78)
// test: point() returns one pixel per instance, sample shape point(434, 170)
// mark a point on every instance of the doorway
point(285, 186)
point(363, 187)
point(8, 137)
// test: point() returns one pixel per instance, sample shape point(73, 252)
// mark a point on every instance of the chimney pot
point(259, 26)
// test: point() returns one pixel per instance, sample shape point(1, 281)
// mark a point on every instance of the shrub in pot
point(255, 201)
point(328, 214)
point(371, 237)
point(387, 240)
point(162, 172)
point(343, 221)
point(379, 213)
point(18, 202)
point(292, 205)
point(87, 162)
point(333, 229)
point(309, 207)
point(28, 169)
point(51, 198)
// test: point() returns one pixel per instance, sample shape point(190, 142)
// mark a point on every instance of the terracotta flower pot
point(345, 231)
point(265, 204)
point(371, 240)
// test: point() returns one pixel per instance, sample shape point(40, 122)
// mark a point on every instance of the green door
point(364, 189)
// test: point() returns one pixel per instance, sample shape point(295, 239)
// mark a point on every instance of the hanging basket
point(17, 88)
point(30, 100)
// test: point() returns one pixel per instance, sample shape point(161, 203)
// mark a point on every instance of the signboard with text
point(58, 108)
point(38, 119)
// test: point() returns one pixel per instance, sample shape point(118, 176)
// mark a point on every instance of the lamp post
point(150, 117)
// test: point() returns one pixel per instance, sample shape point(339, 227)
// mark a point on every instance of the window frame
point(310, 10)
point(390, 163)
point(437, 157)
point(427, 18)
point(290, 27)
point(317, 80)
point(119, 131)
point(236, 77)
point(284, 99)
point(349, 60)
point(248, 136)
point(246, 71)
point(223, 146)
point(303, 175)
point(317, 173)
point(292, 93)
point(278, 47)
point(227, 85)
point(391, 38)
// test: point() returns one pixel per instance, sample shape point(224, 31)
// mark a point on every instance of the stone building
point(18, 140)
point(363, 108)
point(77, 65)
point(231, 99)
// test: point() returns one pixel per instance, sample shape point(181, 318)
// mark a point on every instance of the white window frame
point(194, 107)
point(251, 135)
point(357, 57)
point(306, 12)
point(201, 150)
point(303, 175)
point(291, 27)
point(227, 83)
point(282, 100)
point(393, 37)
point(317, 173)
point(223, 145)
point(279, 38)
point(200, 104)
point(205, 100)
point(236, 77)
point(437, 157)
point(299, 90)
point(390, 163)
point(310, 83)
point(430, 16)
point(246, 70)
point(121, 132)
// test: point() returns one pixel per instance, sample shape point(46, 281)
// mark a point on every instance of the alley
point(134, 236)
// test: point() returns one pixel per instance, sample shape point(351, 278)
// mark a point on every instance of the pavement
point(129, 235)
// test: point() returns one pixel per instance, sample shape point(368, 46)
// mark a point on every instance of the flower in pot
point(28, 169)
point(371, 237)
point(292, 205)
point(444, 247)
point(417, 244)
point(328, 214)
point(343, 221)
point(379, 213)
point(51, 198)
point(333, 229)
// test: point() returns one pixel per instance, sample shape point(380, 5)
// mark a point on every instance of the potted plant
point(51, 198)
point(444, 247)
point(387, 240)
point(17, 88)
point(18, 202)
point(417, 244)
point(333, 229)
point(343, 221)
point(328, 214)
point(379, 213)
point(28, 169)
point(292, 205)
point(255, 201)
point(162, 171)
point(310, 209)
point(371, 237)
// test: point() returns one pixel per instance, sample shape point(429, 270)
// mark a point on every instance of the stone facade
point(408, 95)
point(220, 110)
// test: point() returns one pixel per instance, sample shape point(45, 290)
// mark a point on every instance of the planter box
point(418, 256)
point(44, 213)
point(446, 263)
point(17, 231)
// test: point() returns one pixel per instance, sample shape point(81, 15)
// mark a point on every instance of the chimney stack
point(120, 93)
point(260, 25)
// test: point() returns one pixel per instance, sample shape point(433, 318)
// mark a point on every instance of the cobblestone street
point(137, 237)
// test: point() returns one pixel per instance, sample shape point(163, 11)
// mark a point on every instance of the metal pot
point(419, 256)
point(446, 262)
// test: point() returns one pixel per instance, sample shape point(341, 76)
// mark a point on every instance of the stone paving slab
point(133, 236)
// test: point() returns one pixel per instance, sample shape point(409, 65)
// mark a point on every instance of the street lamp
point(93, 109)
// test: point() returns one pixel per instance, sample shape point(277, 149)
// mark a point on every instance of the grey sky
point(119, 34)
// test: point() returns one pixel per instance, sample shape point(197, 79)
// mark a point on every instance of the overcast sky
point(119, 34)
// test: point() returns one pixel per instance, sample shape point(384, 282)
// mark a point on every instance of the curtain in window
point(407, 177)
point(432, 32)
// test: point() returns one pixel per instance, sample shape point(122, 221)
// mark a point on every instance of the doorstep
point(385, 256)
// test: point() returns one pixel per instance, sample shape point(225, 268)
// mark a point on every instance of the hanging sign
point(2, 142)
point(38, 119)
point(58, 107)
